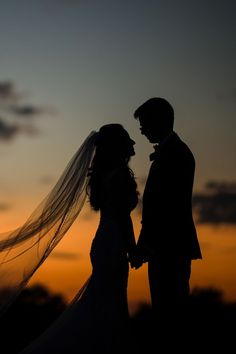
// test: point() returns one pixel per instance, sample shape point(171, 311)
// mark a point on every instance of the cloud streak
point(67, 256)
point(8, 131)
point(17, 117)
point(26, 111)
point(8, 92)
point(4, 206)
point(217, 204)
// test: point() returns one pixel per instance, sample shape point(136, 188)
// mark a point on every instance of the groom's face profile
point(151, 129)
point(156, 118)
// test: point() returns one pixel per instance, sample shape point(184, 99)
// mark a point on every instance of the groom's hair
point(156, 108)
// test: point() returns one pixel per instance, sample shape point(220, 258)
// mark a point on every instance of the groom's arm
point(143, 247)
point(133, 256)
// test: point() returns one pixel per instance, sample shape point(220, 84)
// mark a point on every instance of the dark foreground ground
point(207, 324)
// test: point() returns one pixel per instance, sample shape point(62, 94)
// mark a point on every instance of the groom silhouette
point(168, 239)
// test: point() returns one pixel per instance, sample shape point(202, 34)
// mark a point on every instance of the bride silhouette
point(97, 320)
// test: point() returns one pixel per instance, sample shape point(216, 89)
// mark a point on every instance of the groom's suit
point(168, 236)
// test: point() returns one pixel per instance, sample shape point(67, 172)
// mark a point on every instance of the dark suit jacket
point(167, 224)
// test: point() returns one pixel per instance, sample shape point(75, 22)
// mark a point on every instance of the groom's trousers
point(169, 284)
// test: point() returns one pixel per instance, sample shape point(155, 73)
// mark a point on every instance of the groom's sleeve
point(144, 249)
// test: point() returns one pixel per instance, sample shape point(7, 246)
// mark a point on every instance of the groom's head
point(156, 118)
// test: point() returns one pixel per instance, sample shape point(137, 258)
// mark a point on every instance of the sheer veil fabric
point(22, 251)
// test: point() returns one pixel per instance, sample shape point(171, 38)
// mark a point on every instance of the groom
point(168, 239)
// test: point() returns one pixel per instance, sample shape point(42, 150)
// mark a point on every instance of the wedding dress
point(97, 321)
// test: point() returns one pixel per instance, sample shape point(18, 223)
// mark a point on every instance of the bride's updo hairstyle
point(112, 152)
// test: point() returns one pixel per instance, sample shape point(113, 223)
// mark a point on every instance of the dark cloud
point(4, 206)
point(67, 256)
point(8, 131)
point(26, 111)
point(7, 91)
point(29, 111)
point(17, 117)
point(217, 204)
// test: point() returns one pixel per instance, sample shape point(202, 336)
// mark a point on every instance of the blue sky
point(81, 64)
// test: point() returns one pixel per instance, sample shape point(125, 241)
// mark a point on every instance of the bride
point(97, 320)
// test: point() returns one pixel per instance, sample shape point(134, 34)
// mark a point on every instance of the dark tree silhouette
point(32, 312)
point(208, 323)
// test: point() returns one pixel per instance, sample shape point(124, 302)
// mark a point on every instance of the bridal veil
point(22, 251)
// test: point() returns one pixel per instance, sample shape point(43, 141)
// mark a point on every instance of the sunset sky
point(69, 66)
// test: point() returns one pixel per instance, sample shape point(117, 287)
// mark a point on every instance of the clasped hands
point(136, 258)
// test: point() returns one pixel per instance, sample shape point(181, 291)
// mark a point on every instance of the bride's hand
point(135, 260)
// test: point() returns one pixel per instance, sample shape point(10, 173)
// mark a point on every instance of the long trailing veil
point(22, 251)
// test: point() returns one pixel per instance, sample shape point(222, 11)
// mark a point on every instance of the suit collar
point(170, 139)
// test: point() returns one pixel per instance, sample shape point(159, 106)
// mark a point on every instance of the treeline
point(207, 322)
point(32, 312)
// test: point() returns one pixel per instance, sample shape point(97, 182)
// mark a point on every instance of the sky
point(69, 66)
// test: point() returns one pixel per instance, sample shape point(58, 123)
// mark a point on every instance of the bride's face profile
point(128, 146)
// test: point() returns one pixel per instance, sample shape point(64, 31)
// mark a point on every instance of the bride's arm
point(125, 198)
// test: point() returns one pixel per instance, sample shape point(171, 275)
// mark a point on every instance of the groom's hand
point(137, 263)
point(136, 260)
